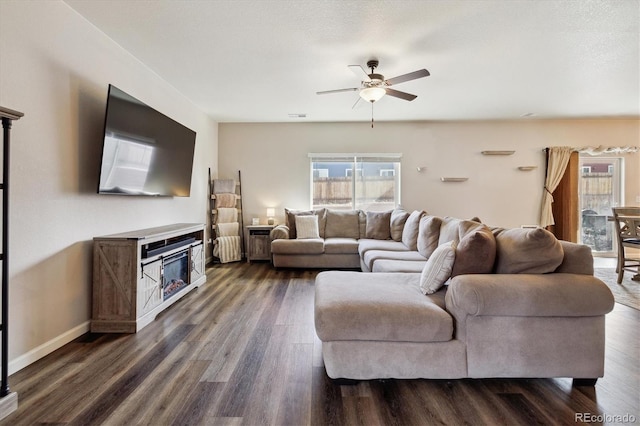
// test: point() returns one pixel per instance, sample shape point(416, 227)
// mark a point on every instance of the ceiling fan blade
point(351, 89)
point(360, 72)
point(356, 103)
point(402, 95)
point(407, 77)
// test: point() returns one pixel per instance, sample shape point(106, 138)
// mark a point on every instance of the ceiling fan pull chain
point(372, 115)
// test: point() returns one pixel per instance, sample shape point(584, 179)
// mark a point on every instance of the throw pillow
point(410, 231)
point(527, 251)
point(290, 217)
point(438, 268)
point(344, 224)
point(476, 250)
point(379, 225)
point(398, 219)
point(428, 234)
point(307, 227)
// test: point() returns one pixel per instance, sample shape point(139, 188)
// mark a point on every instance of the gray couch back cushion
point(340, 223)
point(379, 225)
point(428, 235)
point(527, 251)
point(399, 217)
point(410, 231)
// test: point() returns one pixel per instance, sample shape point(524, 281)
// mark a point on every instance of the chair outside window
point(627, 223)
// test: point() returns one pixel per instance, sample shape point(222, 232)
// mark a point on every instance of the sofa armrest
point(532, 295)
point(280, 232)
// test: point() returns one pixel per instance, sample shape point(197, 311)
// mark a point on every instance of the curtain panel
point(558, 158)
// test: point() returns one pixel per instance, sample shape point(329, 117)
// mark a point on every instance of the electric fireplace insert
point(175, 273)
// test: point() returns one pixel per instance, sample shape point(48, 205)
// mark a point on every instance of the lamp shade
point(271, 212)
point(372, 94)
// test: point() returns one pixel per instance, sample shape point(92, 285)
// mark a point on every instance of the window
point(375, 186)
point(600, 187)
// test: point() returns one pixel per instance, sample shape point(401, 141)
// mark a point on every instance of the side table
point(259, 244)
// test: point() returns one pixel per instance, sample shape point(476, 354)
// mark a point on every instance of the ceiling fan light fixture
point(372, 94)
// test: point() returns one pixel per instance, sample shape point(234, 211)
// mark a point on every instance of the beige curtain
point(556, 165)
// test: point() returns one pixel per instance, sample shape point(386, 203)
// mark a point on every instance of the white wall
point(273, 159)
point(55, 67)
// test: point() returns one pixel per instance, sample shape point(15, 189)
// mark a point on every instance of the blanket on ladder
point(228, 249)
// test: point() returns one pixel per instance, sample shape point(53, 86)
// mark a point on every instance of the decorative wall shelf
point(498, 152)
point(454, 179)
point(527, 168)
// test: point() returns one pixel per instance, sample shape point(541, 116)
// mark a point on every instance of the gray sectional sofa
point(512, 303)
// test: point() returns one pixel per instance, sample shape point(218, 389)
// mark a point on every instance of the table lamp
point(270, 213)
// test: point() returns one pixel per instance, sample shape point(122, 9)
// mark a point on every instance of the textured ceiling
point(258, 61)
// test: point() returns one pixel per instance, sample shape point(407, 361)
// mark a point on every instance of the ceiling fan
point(374, 86)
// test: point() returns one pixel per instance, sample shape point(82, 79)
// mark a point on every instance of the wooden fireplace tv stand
point(138, 274)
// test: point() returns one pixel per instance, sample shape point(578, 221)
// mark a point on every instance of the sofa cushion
point(343, 224)
point(398, 219)
point(389, 265)
point(410, 230)
point(438, 268)
point(379, 225)
point(372, 256)
point(341, 246)
point(428, 234)
point(449, 229)
point(378, 307)
point(290, 218)
point(578, 259)
point(366, 244)
point(527, 251)
point(362, 222)
point(476, 250)
point(307, 227)
point(308, 246)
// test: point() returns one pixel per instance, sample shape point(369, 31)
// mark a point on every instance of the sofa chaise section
point(537, 311)
point(381, 326)
point(504, 326)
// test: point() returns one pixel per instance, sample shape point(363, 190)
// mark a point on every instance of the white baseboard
point(46, 348)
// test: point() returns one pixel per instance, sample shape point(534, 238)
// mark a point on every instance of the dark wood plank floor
point(242, 350)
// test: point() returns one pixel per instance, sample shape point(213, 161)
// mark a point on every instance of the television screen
point(144, 152)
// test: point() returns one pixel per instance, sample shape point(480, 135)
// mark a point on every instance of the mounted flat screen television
point(144, 152)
